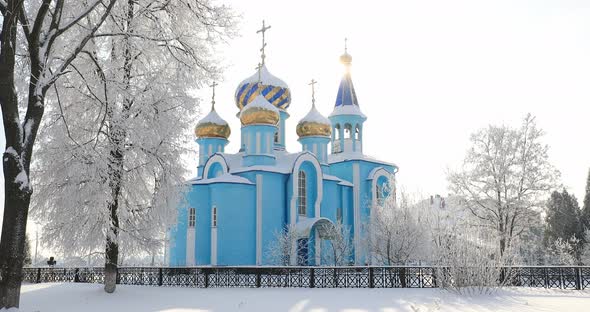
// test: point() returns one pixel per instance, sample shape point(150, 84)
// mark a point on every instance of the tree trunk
point(12, 245)
point(17, 195)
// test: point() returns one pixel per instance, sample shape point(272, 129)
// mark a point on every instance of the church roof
point(346, 94)
point(284, 165)
point(346, 101)
point(224, 178)
point(340, 157)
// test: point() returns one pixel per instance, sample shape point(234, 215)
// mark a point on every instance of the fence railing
point(305, 277)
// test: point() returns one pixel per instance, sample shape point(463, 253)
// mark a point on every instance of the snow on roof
point(266, 78)
point(260, 102)
point(344, 156)
point(315, 116)
point(347, 110)
point(213, 118)
point(224, 178)
point(284, 164)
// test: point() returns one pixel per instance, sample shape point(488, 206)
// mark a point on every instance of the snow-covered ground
point(58, 297)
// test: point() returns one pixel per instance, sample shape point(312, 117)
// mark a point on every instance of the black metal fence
point(305, 277)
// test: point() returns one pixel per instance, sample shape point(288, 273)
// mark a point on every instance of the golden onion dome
point(212, 126)
point(259, 111)
point(314, 124)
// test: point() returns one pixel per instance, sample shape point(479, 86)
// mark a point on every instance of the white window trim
point(302, 193)
point(214, 217)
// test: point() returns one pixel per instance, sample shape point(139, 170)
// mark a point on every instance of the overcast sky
point(427, 74)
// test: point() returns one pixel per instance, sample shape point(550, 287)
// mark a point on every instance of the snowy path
point(58, 297)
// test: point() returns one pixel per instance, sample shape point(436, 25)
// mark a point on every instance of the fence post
point(371, 278)
point(77, 275)
point(546, 277)
point(160, 277)
point(311, 278)
point(206, 272)
point(38, 275)
point(578, 278)
point(257, 277)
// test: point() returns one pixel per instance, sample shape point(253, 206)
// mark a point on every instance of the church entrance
point(303, 251)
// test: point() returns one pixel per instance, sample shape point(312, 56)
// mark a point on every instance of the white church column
point(190, 237)
point(214, 235)
point(356, 211)
point(259, 219)
point(190, 246)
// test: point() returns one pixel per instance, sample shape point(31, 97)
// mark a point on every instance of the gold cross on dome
point(263, 30)
point(213, 85)
point(259, 69)
point(312, 84)
point(345, 45)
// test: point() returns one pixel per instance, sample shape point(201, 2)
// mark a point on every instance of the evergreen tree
point(563, 219)
point(586, 208)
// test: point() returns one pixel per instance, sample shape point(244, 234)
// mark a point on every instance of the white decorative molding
point(378, 173)
point(190, 245)
point(356, 209)
point(295, 176)
point(217, 158)
point(258, 143)
point(213, 245)
point(210, 150)
point(258, 219)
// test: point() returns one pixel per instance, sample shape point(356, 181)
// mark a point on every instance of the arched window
point(378, 194)
point(277, 137)
point(357, 132)
point(302, 190)
point(337, 132)
point(347, 131)
point(192, 217)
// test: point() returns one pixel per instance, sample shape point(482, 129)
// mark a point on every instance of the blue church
point(240, 201)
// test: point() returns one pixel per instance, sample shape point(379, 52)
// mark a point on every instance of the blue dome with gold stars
point(263, 82)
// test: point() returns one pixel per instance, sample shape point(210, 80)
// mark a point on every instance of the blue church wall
point(331, 201)
point(236, 236)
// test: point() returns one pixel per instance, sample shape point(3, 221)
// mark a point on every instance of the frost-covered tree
point(337, 250)
point(468, 260)
point(284, 244)
point(505, 177)
point(562, 251)
point(395, 231)
point(39, 41)
point(110, 168)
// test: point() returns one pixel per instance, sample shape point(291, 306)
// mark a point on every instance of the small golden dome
point(313, 129)
point(259, 111)
point(212, 126)
point(314, 124)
